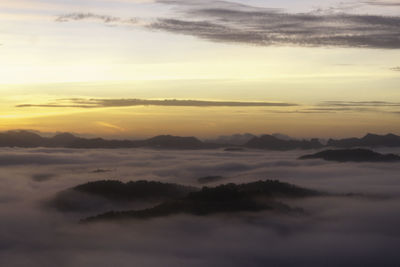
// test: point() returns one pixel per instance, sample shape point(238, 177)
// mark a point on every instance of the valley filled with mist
point(348, 214)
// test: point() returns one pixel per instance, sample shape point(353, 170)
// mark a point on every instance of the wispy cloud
point(285, 107)
point(96, 17)
point(341, 7)
point(271, 27)
point(110, 126)
point(361, 104)
point(224, 21)
point(357, 106)
point(341, 109)
point(104, 103)
point(389, 3)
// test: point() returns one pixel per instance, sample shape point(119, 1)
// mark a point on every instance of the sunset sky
point(137, 68)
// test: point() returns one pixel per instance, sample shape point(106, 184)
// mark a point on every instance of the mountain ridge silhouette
point(29, 139)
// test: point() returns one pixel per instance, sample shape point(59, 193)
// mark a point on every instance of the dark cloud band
point(361, 104)
point(223, 21)
point(101, 103)
point(266, 27)
point(383, 3)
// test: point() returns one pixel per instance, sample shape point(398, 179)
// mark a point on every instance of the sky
point(138, 68)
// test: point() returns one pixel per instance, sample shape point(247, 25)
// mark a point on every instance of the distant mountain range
point(67, 140)
point(22, 138)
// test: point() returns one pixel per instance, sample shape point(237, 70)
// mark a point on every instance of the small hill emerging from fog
point(352, 155)
point(229, 198)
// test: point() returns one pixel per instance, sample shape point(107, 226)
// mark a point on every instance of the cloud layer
point(347, 231)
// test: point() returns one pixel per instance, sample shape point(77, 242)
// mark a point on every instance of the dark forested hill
point(229, 198)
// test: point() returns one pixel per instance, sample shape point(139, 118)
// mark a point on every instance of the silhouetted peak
point(268, 137)
point(23, 134)
point(370, 136)
point(273, 143)
point(282, 136)
point(64, 136)
point(20, 138)
point(177, 142)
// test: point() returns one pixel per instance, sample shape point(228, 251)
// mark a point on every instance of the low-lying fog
point(335, 231)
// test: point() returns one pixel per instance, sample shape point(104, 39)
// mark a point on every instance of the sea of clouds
point(334, 231)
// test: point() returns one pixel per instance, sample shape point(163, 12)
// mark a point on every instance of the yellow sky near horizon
point(204, 122)
point(43, 61)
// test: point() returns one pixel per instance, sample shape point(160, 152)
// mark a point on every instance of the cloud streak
point(106, 19)
point(284, 107)
point(361, 104)
point(104, 103)
point(384, 3)
point(357, 106)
